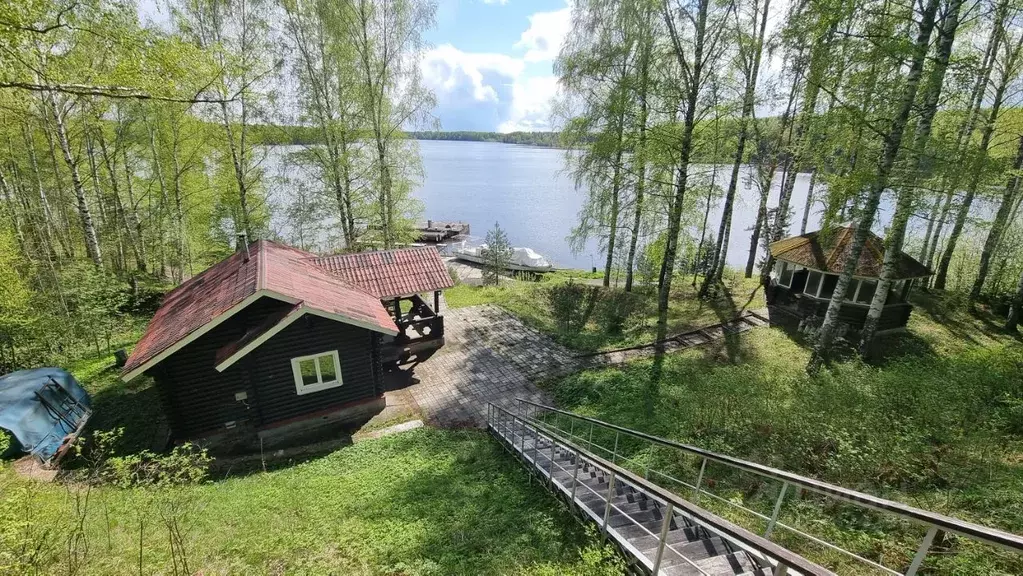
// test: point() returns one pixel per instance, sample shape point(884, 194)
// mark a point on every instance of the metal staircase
point(662, 533)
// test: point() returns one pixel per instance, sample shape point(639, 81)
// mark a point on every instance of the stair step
point(695, 552)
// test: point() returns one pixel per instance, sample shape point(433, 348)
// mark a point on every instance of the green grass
point(590, 330)
point(938, 424)
point(422, 502)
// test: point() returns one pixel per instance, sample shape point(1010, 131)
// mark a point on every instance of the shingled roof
point(828, 253)
point(346, 288)
point(391, 273)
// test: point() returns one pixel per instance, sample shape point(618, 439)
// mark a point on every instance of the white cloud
point(501, 2)
point(545, 35)
point(531, 108)
point(486, 91)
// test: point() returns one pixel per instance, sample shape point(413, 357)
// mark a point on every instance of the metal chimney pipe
point(243, 245)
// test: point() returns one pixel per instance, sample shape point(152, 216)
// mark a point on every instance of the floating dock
point(434, 231)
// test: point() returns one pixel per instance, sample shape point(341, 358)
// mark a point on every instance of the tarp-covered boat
point(45, 409)
point(522, 259)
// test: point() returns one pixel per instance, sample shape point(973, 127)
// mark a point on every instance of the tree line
point(130, 153)
point(912, 103)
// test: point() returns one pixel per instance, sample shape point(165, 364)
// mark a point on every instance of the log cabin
point(274, 340)
point(807, 268)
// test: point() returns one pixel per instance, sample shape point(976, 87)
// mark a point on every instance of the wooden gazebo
point(807, 268)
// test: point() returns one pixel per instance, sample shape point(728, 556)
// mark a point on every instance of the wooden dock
point(435, 231)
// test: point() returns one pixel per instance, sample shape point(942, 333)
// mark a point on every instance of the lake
point(527, 190)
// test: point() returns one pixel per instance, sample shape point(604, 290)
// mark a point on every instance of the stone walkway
point(488, 356)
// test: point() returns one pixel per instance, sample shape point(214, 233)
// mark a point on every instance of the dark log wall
point(270, 365)
point(198, 400)
point(893, 315)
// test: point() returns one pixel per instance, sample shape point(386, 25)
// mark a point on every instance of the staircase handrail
point(971, 530)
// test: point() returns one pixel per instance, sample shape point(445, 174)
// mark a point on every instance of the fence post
point(590, 439)
point(665, 526)
point(607, 506)
point(575, 474)
point(777, 510)
point(699, 480)
point(614, 452)
point(921, 552)
point(550, 471)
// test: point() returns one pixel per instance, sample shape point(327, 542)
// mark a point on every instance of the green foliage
point(496, 256)
point(900, 431)
point(564, 301)
point(5, 442)
point(423, 502)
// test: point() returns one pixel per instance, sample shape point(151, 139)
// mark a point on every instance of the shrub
point(615, 309)
point(564, 301)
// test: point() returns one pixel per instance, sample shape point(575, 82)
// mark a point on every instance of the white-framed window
point(316, 372)
point(785, 271)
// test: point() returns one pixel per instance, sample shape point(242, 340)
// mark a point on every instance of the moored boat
point(522, 259)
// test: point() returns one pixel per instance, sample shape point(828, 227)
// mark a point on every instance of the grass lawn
point(423, 502)
point(591, 327)
point(938, 424)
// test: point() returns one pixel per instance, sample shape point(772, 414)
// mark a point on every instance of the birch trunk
point(639, 158)
point(695, 80)
point(982, 149)
point(748, 102)
point(92, 246)
point(893, 142)
point(809, 202)
point(918, 160)
point(998, 225)
point(1015, 308)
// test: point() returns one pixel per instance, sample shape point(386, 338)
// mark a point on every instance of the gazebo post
point(436, 301)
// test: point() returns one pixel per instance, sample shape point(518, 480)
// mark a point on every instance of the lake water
point(528, 191)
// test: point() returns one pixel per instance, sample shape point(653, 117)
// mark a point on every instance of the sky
point(489, 64)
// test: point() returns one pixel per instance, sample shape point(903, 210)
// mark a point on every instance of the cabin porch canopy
point(823, 255)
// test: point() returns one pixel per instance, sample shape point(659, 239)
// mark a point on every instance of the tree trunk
point(892, 143)
point(1012, 321)
point(44, 203)
point(998, 225)
point(918, 161)
point(616, 187)
point(809, 202)
point(129, 218)
point(748, 102)
point(639, 158)
point(695, 80)
point(982, 149)
point(754, 242)
point(92, 247)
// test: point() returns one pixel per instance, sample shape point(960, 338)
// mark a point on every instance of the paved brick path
point(488, 356)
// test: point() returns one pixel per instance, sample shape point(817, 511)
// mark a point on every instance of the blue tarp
point(43, 408)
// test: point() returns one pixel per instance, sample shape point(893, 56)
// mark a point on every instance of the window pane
point(308, 370)
point(867, 289)
point(786, 274)
point(828, 288)
point(328, 369)
point(813, 281)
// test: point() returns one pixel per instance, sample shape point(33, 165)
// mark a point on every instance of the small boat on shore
point(522, 259)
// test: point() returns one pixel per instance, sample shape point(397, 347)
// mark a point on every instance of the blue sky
point(491, 62)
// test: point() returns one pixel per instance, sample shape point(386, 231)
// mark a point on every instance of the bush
point(5, 443)
point(565, 301)
point(615, 309)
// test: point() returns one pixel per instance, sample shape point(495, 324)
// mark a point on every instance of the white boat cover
point(527, 257)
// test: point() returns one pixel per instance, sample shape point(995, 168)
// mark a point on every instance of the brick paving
point(488, 356)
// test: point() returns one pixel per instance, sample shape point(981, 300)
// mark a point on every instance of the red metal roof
point(391, 273)
point(276, 270)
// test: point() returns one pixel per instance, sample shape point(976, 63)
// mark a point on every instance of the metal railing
point(535, 413)
point(509, 425)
